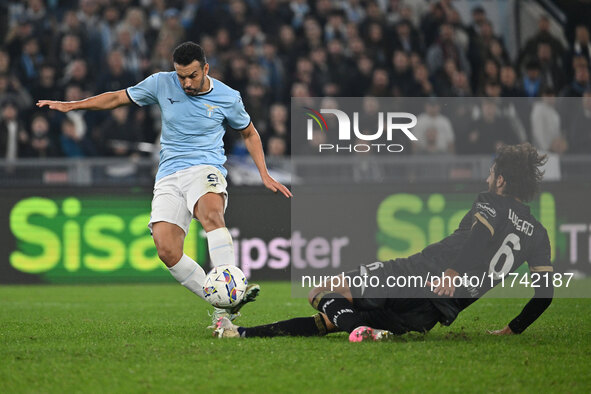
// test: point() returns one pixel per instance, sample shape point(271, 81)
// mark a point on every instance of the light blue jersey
point(192, 126)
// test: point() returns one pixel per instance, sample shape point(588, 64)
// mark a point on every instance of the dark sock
point(298, 327)
point(339, 311)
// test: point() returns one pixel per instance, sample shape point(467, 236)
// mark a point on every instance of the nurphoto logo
point(394, 122)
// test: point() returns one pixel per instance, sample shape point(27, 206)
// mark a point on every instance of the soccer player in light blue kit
point(191, 178)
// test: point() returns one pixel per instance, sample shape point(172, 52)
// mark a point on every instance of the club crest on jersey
point(483, 206)
point(210, 109)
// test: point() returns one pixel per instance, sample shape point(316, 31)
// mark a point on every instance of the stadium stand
point(272, 50)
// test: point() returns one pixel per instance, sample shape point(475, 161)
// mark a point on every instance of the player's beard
point(191, 92)
point(195, 92)
point(492, 187)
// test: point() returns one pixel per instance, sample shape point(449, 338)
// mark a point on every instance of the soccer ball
point(224, 286)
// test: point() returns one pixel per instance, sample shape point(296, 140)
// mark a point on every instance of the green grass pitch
point(152, 338)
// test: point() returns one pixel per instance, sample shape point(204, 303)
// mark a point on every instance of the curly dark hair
point(187, 52)
point(520, 167)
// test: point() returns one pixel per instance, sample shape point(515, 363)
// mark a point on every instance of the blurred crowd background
point(272, 50)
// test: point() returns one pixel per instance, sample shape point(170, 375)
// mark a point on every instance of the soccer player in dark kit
point(493, 239)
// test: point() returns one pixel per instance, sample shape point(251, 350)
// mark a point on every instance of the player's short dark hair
point(187, 52)
point(520, 167)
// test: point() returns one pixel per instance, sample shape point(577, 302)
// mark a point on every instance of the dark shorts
point(389, 308)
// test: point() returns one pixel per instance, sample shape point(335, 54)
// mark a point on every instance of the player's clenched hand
point(445, 287)
point(271, 184)
point(503, 331)
point(62, 106)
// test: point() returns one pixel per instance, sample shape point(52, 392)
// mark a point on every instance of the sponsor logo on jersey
point(486, 208)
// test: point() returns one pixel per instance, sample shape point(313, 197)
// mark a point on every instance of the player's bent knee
point(169, 239)
point(330, 285)
point(212, 220)
point(343, 290)
point(169, 255)
point(168, 252)
point(313, 293)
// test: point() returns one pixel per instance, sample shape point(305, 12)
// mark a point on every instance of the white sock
point(189, 274)
point(221, 247)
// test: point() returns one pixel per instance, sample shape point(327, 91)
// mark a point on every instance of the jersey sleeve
point(145, 92)
point(237, 117)
point(540, 258)
point(485, 211)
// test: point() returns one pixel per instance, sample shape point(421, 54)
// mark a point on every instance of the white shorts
point(176, 194)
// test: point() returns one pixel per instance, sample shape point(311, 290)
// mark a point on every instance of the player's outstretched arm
point(252, 140)
point(108, 100)
point(531, 311)
point(540, 265)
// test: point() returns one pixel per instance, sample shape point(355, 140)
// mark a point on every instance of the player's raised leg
point(169, 239)
point(317, 325)
point(209, 210)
